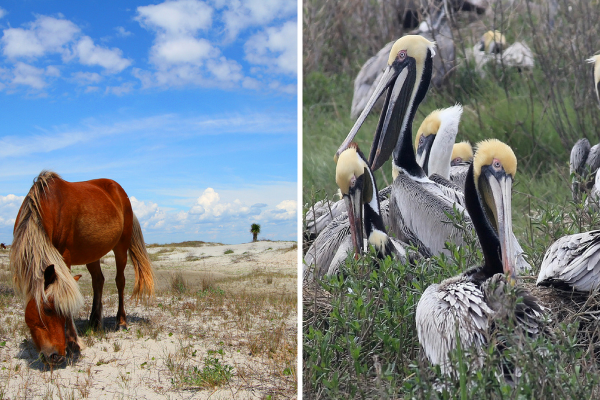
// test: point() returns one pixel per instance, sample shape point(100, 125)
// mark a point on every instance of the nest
point(316, 303)
point(568, 307)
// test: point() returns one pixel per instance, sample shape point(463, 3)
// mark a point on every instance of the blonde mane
point(32, 252)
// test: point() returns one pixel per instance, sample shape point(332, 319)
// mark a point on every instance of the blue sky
point(189, 105)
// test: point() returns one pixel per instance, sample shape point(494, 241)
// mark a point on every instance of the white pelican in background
point(358, 186)
point(462, 157)
point(596, 61)
point(583, 164)
point(415, 201)
point(472, 301)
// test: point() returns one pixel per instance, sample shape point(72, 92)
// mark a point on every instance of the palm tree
point(255, 230)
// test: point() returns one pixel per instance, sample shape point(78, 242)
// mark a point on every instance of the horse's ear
point(49, 276)
point(76, 277)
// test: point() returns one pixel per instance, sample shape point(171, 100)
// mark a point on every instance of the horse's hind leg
point(121, 261)
point(98, 285)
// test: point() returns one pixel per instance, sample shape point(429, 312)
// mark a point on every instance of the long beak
point(424, 151)
point(501, 191)
point(354, 209)
point(390, 77)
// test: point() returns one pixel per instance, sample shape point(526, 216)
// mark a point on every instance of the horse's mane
point(32, 252)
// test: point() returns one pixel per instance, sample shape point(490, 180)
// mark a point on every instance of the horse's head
point(47, 326)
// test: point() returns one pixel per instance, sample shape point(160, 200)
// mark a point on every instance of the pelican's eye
point(401, 55)
point(457, 160)
point(352, 181)
point(421, 140)
point(497, 164)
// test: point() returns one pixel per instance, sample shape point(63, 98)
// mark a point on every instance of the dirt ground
point(223, 324)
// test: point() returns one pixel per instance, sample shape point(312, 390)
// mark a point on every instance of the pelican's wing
point(572, 261)
point(422, 207)
point(322, 251)
point(454, 306)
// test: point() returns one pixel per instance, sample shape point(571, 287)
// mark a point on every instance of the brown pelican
point(358, 187)
point(572, 262)
point(462, 157)
point(583, 164)
point(492, 42)
point(435, 139)
point(420, 204)
point(468, 304)
point(596, 61)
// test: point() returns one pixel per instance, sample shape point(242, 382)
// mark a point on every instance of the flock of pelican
point(433, 181)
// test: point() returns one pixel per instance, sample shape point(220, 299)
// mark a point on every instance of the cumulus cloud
point(91, 54)
point(86, 78)
point(44, 35)
point(275, 48)
point(241, 14)
point(49, 35)
point(122, 32)
point(180, 54)
point(28, 75)
point(9, 208)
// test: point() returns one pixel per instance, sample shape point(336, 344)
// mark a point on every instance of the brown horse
point(61, 224)
point(2, 246)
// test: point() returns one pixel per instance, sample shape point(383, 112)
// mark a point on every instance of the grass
point(359, 331)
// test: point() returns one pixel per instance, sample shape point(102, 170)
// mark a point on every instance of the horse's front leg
point(74, 343)
point(98, 285)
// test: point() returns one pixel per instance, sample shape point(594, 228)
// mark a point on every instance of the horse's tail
point(32, 252)
point(144, 277)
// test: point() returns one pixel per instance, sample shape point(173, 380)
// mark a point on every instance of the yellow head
point(429, 126)
point(493, 37)
point(491, 150)
point(349, 167)
point(462, 151)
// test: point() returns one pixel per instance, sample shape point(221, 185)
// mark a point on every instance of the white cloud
point(44, 35)
point(2, 12)
point(50, 35)
point(25, 74)
point(208, 207)
point(176, 18)
point(9, 208)
point(120, 90)
point(275, 48)
point(85, 78)
point(122, 32)
point(184, 49)
point(91, 54)
point(241, 14)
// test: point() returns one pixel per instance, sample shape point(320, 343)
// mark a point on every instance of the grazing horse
point(2, 246)
point(61, 224)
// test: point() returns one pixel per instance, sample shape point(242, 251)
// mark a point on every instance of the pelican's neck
point(404, 153)
point(488, 238)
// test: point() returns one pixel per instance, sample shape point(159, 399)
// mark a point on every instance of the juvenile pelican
point(473, 301)
point(583, 164)
point(572, 262)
